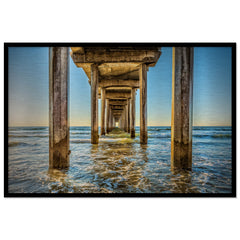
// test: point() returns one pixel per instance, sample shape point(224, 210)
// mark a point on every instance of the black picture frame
point(193, 44)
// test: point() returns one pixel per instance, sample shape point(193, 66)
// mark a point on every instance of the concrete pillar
point(58, 107)
point(126, 118)
point(110, 120)
point(103, 111)
point(133, 111)
point(120, 122)
point(182, 97)
point(108, 116)
point(143, 103)
point(128, 115)
point(114, 123)
point(94, 104)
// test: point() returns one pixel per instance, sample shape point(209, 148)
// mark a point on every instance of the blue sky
point(28, 89)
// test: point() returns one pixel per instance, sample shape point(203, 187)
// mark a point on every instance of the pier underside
point(115, 74)
point(120, 72)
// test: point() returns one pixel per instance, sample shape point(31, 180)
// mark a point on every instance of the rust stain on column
point(58, 107)
point(182, 97)
point(94, 104)
point(143, 103)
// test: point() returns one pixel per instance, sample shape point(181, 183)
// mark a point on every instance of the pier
point(115, 74)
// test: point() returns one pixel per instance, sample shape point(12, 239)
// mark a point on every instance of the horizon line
point(135, 126)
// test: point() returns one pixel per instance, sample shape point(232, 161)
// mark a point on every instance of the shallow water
point(119, 164)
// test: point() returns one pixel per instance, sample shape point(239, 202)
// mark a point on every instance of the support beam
point(133, 96)
point(103, 111)
point(126, 118)
point(94, 104)
point(118, 95)
point(182, 97)
point(113, 102)
point(58, 107)
point(128, 115)
point(100, 56)
point(119, 83)
point(143, 103)
point(108, 116)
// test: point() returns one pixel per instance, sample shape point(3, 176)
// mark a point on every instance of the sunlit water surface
point(119, 164)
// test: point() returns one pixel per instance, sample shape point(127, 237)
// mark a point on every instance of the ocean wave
point(160, 136)
point(222, 136)
point(158, 129)
point(27, 136)
point(81, 133)
point(81, 141)
point(212, 136)
point(29, 128)
point(15, 144)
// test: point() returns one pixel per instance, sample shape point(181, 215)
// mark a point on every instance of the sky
point(28, 89)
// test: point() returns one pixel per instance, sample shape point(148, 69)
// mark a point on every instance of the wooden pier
point(115, 74)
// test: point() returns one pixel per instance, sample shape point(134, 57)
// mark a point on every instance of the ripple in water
point(119, 164)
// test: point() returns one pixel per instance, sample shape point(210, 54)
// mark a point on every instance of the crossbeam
point(100, 56)
point(118, 83)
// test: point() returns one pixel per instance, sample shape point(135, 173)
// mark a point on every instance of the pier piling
point(143, 103)
point(182, 97)
point(58, 107)
point(94, 104)
point(103, 106)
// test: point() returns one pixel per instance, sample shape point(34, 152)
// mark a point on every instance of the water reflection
point(181, 182)
point(116, 168)
point(57, 181)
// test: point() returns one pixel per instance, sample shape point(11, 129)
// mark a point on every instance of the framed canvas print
point(120, 119)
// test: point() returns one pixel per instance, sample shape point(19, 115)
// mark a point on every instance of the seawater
point(119, 164)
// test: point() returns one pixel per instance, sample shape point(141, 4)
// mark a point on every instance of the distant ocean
point(119, 164)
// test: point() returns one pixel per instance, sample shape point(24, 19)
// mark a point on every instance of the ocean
point(119, 164)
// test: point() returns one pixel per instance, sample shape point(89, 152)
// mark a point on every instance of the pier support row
point(182, 97)
point(58, 107)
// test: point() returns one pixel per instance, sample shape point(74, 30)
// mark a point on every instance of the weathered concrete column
point(128, 115)
point(126, 118)
point(182, 97)
point(120, 122)
point(58, 107)
point(110, 120)
point(133, 111)
point(108, 116)
point(103, 106)
point(113, 122)
point(143, 103)
point(94, 104)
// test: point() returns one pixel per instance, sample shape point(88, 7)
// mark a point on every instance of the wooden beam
point(58, 107)
point(182, 98)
